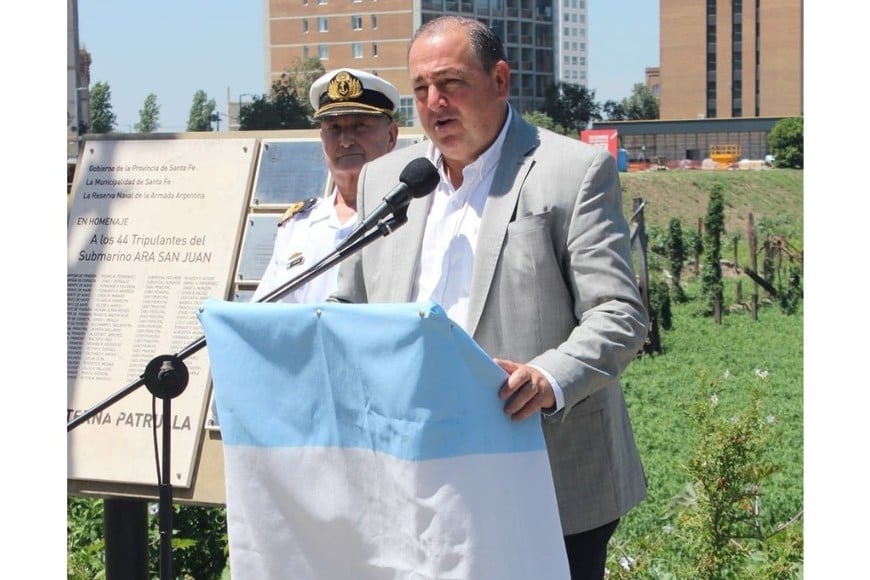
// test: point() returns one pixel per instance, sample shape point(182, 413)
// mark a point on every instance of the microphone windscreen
point(420, 176)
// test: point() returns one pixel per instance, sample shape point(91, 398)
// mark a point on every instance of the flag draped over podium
point(368, 442)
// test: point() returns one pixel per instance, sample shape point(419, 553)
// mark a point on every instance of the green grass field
point(775, 198)
point(737, 355)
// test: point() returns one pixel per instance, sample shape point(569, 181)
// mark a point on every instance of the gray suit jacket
point(553, 285)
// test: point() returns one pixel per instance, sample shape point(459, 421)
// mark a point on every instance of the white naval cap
point(348, 91)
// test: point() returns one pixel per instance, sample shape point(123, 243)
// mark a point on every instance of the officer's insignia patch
point(344, 87)
point(300, 207)
point(295, 259)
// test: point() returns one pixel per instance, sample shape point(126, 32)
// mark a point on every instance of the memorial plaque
point(257, 245)
point(293, 169)
point(290, 170)
point(153, 231)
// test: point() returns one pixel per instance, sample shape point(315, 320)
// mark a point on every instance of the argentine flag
point(368, 441)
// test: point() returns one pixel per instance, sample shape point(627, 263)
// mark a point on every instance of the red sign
point(604, 138)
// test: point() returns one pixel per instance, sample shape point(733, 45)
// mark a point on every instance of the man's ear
point(502, 72)
point(394, 135)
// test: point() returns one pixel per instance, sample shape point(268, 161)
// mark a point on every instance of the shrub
point(786, 142)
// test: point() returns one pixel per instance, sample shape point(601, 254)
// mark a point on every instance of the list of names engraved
point(153, 231)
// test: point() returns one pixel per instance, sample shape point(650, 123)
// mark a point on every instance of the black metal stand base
point(125, 523)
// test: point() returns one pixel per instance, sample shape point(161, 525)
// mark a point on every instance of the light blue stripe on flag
point(400, 379)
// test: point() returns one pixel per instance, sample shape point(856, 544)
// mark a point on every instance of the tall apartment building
point(544, 43)
point(731, 58)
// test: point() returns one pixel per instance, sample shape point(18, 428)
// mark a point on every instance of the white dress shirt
point(302, 241)
point(450, 237)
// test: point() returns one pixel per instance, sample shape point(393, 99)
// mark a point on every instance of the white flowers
point(714, 400)
point(761, 374)
point(626, 562)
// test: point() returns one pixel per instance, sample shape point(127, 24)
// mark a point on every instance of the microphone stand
point(166, 376)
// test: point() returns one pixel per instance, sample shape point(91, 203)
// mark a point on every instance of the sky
point(173, 48)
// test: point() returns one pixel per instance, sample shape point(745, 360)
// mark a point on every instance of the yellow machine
point(725, 155)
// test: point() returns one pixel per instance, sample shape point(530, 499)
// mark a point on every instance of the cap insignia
point(344, 86)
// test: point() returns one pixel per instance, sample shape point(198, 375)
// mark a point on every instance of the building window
point(322, 24)
point(320, 2)
point(356, 22)
point(374, 20)
point(357, 50)
point(323, 52)
point(305, 51)
point(406, 109)
point(375, 49)
point(305, 25)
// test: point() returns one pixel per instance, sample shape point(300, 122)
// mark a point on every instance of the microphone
point(417, 179)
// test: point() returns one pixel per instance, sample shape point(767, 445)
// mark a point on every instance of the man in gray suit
point(524, 245)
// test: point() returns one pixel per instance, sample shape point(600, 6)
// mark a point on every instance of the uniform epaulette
point(297, 208)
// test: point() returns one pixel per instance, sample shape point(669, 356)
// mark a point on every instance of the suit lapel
point(514, 164)
point(405, 252)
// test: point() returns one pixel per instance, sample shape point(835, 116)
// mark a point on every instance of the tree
point(786, 142)
point(571, 106)
point(201, 112)
point(287, 106)
point(539, 119)
point(149, 115)
point(641, 105)
point(714, 228)
point(299, 77)
point(283, 109)
point(614, 111)
point(103, 119)
point(675, 247)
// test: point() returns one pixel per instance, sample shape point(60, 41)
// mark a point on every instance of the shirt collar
point(480, 167)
